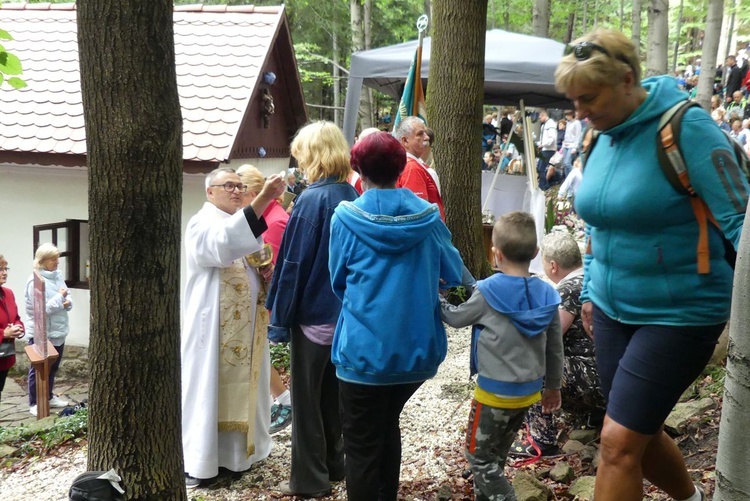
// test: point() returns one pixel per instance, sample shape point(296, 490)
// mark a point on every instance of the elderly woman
point(58, 304)
point(11, 327)
point(656, 319)
point(581, 392)
point(389, 251)
point(276, 218)
point(304, 310)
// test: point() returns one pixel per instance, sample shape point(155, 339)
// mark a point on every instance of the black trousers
point(372, 438)
point(317, 445)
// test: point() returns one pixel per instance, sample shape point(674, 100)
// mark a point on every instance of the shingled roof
point(221, 54)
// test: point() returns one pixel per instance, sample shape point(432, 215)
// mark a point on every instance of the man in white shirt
point(547, 147)
point(571, 141)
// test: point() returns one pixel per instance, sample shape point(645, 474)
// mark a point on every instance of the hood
point(390, 221)
point(663, 93)
point(530, 303)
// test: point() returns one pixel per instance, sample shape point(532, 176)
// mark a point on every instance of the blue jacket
point(57, 313)
point(389, 250)
point(300, 292)
point(643, 265)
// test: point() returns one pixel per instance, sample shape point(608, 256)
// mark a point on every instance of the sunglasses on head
point(583, 50)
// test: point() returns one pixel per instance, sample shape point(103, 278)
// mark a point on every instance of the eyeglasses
point(4, 269)
point(230, 187)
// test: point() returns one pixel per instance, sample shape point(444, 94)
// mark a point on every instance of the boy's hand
point(551, 400)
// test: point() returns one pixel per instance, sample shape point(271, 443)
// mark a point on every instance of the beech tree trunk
point(732, 460)
point(454, 105)
point(637, 9)
point(714, 18)
point(540, 18)
point(358, 43)
point(133, 135)
point(658, 38)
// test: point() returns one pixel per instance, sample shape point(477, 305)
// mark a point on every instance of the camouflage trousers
point(581, 397)
point(490, 434)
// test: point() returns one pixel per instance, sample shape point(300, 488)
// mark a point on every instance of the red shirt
point(416, 178)
point(276, 218)
point(8, 315)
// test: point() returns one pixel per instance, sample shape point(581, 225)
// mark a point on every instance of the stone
point(445, 492)
point(683, 412)
point(562, 472)
point(584, 436)
point(529, 488)
point(572, 446)
point(6, 450)
point(597, 459)
point(583, 488)
point(587, 453)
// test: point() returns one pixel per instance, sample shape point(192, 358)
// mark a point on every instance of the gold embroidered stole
point(241, 343)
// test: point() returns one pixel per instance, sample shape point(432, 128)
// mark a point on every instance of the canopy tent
point(516, 67)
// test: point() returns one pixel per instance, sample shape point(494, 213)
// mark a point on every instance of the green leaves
point(10, 65)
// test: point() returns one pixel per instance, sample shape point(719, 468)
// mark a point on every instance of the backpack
point(672, 163)
point(96, 486)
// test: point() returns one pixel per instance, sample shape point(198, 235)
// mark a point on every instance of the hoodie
point(389, 250)
point(516, 342)
point(642, 268)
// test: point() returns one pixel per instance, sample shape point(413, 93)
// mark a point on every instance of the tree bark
point(677, 38)
point(637, 8)
point(540, 18)
point(133, 134)
point(454, 105)
point(658, 38)
point(711, 37)
point(358, 43)
point(732, 460)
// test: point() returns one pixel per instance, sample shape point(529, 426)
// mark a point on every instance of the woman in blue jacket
point(656, 319)
point(389, 251)
point(304, 310)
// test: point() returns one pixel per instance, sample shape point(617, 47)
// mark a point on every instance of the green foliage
point(10, 65)
point(30, 442)
point(456, 295)
point(311, 65)
point(280, 357)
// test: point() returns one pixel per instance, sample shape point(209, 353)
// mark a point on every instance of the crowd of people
point(355, 282)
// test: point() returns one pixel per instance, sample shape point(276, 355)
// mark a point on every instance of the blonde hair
point(322, 151)
point(514, 235)
point(599, 68)
point(3, 260)
point(43, 253)
point(251, 176)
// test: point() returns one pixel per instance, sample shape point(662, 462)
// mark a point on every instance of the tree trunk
point(492, 14)
point(714, 18)
point(637, 8)
point(540, 18)
point(133, 134)
point(369, 94)
point(454, 105)
point(596, 14)
point(336, 80)
point(571, 25)
point(658, 38)
point(677, 38)
point(732, 460)
point(585, 18)
point(506, 16)
point(358, 43)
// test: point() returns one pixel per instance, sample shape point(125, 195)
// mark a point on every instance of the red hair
point(379, 157)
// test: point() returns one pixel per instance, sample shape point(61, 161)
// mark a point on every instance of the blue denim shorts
point(644, 369)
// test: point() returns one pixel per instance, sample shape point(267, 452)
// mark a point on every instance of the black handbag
point(7, 348)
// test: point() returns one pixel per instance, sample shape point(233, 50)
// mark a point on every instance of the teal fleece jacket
point(389, 249)
point(642, 268)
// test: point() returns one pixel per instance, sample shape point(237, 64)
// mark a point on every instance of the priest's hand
point(272, 189)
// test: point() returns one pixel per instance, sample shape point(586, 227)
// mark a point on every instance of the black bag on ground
point(89, 487)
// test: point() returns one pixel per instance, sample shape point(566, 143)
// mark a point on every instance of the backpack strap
point(673, 165)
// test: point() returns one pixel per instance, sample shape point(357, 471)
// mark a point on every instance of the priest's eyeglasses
point(230, 187)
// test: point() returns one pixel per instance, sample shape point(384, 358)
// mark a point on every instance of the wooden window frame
point(75, 277)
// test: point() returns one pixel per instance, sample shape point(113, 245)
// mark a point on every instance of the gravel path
point(432, 427)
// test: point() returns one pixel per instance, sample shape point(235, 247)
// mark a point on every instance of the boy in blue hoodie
point(516, 347)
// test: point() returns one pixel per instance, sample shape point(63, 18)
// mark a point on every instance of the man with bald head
point(412, 134)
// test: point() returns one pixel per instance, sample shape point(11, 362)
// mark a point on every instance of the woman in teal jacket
point(655, 319)
point(389, 250)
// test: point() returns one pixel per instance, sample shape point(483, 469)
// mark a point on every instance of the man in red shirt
point(411, 132)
